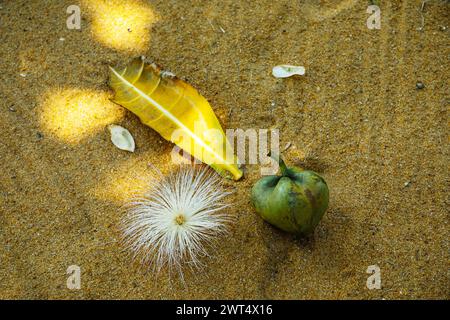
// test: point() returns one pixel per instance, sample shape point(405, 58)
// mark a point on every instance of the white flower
point(177, 218)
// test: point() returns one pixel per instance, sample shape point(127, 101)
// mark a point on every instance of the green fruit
point(294, 202)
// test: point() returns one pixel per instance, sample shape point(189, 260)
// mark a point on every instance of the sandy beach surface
point(356, 117)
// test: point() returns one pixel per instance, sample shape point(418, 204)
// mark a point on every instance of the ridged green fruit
point(294, 202)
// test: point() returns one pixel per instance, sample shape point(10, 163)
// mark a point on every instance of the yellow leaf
point(176, 111)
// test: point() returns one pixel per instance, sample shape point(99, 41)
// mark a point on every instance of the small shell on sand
point(121, 138)
point(285, 71)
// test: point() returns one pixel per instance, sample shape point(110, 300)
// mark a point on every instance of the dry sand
point(356, 118)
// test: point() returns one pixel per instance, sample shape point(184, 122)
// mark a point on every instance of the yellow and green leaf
point(176, 111)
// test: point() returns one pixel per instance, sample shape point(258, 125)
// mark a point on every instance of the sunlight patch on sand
point(129, 179)
point(74, 114)
point(121, 25)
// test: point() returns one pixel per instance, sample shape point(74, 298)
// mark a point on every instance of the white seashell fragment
point(285, 71)
point(121, 138)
